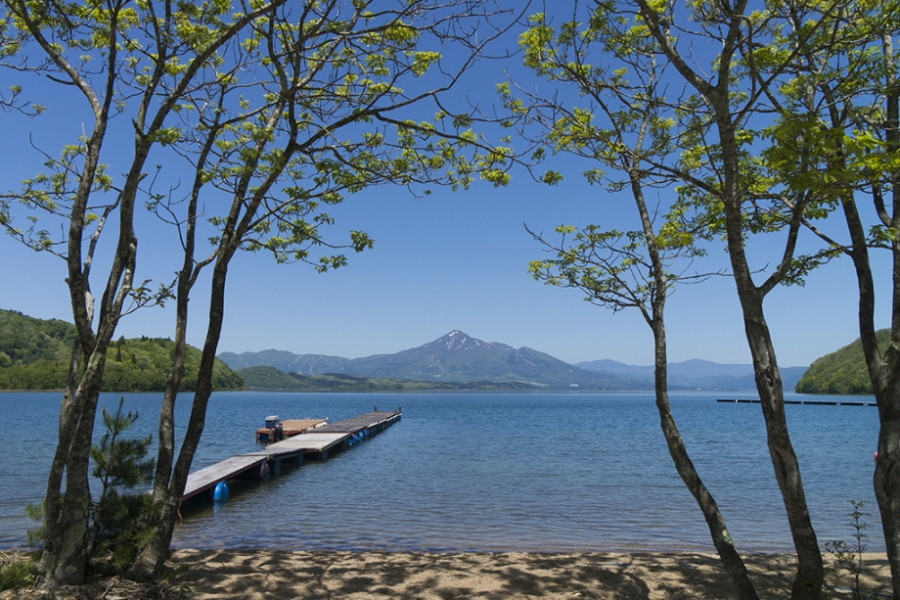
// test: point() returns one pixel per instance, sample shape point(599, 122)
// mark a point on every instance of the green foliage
point(34, 355)
point(143, 365)
point(118, 462)
point(271, 378)
point(16, 571)
point(120, 521)
point(25, 340)
point(841, 372)
point(35, 512)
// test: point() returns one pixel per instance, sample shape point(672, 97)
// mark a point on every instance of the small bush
point(16, 572)
point(849, 557)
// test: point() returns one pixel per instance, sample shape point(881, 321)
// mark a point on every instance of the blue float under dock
point(316, 442)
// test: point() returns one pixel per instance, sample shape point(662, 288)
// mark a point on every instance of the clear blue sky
point(458, 261)
point(446, 261)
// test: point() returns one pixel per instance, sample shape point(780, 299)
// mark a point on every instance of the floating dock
point(806, 402)
point(276, 430)
point(315, 441)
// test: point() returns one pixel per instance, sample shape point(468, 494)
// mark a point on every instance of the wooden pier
point(314, 441)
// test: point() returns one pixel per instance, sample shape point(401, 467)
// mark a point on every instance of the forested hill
point(34, 355)
point(841, 372)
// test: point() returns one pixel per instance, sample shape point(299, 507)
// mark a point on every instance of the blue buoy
point(220, 494)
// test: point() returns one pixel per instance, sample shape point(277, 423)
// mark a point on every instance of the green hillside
point(34, 355)
point(272, 378)
point(841, 372)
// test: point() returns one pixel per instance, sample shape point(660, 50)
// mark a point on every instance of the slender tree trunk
point(886, 481)
point(884, 368)
point(151, 561)
point(810, 575)
point(166, 431)
point(717, 93)
point(715, 522)
point(884, 373)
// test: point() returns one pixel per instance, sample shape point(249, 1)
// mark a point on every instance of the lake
point(491, 472)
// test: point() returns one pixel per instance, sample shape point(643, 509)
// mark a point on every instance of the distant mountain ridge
point(455, 357)
point(698, 374)
point(458, 357)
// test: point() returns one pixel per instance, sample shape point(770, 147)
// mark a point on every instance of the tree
point(281, 108)
point(616, 269)
point(331, 75)
point(119, 518)
point(839, 108)
point(716, 115)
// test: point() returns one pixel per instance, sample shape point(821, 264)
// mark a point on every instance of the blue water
point(491, 472)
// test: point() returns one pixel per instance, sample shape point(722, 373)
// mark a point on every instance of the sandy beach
point(270, 575)
point(258, 575)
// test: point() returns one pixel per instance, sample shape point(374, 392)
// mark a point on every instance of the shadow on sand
point(251, 575)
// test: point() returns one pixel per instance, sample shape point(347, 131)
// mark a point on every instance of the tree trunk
point(715, 522)
point(64, 558)
point(884, 373)
point(810, 574)
point(883, 368)
point(810, 569)
point(730, 190)
point(887, 481)
point(728, 554)
point(151, 561)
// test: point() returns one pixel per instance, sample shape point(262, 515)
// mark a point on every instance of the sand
point(258, 575)
point(266, 574)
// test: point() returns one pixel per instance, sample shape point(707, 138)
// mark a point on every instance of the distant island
point(34, 356)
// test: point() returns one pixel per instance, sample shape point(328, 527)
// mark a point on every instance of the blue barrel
point(221, 493)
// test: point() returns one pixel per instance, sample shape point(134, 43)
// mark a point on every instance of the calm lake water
point(491, 472)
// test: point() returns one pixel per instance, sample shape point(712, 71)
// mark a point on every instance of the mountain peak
point(457, 341)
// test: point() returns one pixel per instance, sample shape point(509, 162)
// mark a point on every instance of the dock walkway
point(315, 442)
point(806, 402)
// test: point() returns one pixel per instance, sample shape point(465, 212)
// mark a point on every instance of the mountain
point(454, 358)
point(305, 364)
point(459, 358)
point(843, 371)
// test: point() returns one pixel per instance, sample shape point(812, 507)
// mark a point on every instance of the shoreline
point(306, 575)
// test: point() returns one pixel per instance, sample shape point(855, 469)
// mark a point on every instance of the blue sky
point(451, 260)
point(459, 261)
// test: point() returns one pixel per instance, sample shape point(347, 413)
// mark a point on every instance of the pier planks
point(308, 443)
point(316, 440)
point(207, 478)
